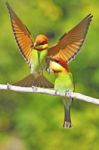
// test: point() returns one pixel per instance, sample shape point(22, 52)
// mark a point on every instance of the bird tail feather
point(37, 80)
point(67, 118)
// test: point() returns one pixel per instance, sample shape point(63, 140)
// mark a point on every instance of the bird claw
point(56, 92)
point(66, 92)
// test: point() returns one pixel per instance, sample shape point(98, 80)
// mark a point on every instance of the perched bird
point(63, 83)
point(58, 58)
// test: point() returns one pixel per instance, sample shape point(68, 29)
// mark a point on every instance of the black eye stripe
point(57, 61)
point(38, 44)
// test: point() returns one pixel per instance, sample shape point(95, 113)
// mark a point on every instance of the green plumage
point(63, 83)
point(38, 61)
point(39, 76)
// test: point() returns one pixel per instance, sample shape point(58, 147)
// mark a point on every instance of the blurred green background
point(34, 122)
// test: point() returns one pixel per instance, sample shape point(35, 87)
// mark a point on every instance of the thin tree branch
point(49, 92)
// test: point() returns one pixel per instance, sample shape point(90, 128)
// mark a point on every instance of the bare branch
point(49, 92)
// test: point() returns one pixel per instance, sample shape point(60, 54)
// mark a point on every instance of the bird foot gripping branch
point(68, 93)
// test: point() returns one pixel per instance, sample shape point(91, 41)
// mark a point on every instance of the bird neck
point(63, 72)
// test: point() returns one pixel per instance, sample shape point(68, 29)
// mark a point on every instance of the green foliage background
point(36, 120)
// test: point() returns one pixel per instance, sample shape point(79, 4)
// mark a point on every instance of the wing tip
point(8, 5)
point(10, 10)
point(89, 17)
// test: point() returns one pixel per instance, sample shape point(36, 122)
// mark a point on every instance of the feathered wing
point(22, 35)
point(34, 80)
point(70, 43)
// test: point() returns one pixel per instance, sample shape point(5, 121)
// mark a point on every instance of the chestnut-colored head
point(41, 42)
point(58, 65)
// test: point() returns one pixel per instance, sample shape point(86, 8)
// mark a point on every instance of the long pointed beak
point(34, 45)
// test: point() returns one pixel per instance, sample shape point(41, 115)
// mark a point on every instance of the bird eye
point(38, 44)
point(41, 43)
point(57, 61)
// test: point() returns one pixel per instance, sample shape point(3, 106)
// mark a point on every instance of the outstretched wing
point(22, 35)
point(69, 44)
